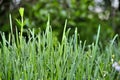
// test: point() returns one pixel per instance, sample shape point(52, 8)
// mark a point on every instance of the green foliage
point(43, 57)
point(77, 14)
point(39, 59)
point(75, 11)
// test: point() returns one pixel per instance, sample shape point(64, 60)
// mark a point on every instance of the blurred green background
point(86, 15)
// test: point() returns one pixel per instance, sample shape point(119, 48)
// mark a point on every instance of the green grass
point(38, 58)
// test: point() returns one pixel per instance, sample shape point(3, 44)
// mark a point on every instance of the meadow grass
point(38, 58)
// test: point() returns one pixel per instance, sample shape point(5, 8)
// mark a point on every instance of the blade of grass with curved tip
point(94, 53)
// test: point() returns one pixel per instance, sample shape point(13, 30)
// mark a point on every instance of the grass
point(39, 59)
